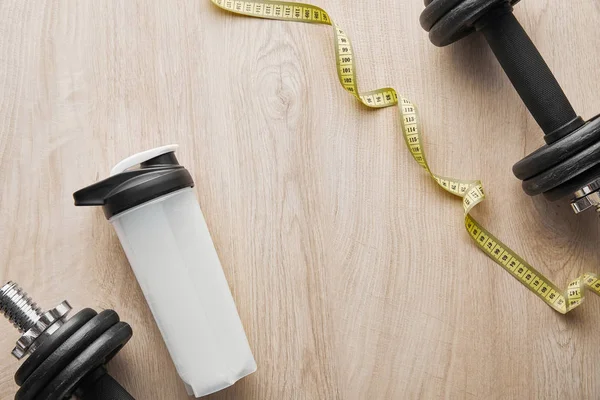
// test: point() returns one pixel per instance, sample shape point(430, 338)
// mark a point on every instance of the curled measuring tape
point(470, 191)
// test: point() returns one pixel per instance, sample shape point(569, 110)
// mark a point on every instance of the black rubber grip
point(103, 388)
point(529, 73)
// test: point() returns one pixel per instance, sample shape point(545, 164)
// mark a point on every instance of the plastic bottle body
point(175, 262)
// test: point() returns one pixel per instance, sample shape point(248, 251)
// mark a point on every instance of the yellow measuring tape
point(471, 192)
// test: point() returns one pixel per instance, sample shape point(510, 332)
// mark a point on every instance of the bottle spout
point(89, 196)
point(96, 194)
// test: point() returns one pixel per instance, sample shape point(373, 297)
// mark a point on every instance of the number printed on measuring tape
point(470, 191)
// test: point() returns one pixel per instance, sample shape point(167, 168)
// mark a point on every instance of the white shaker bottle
point(149, 200)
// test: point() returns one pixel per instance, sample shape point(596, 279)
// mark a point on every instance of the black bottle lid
point(136, 180)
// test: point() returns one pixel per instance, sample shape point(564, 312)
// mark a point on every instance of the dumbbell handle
point(99, 385)
point(529, 74)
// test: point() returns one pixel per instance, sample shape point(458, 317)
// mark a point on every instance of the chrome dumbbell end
point(28, 318)
point(65, 356)
point(587, 197)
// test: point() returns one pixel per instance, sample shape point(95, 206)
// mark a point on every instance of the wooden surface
point(351, 270)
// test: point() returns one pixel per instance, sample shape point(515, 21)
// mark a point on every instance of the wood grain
point(351, 271)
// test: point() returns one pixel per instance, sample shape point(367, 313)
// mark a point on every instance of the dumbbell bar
point(569, 163)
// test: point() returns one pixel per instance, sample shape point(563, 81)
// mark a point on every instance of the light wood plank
point(351, 271)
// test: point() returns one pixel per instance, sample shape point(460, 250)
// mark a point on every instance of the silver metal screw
point(29, 319)
point(587, 197)
point(18, 307)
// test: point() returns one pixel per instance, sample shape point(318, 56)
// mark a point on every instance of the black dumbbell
point(569, 163)
point(66, 357)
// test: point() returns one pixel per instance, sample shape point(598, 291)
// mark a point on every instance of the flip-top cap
point(136, 180)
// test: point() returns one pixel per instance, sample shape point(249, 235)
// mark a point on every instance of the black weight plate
point(52, 343)
point(65, 353)
point(549, 155)
point(434, 10)
point(571, 186)
point(458, 22)
point(94, 356)
point(563, 172)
